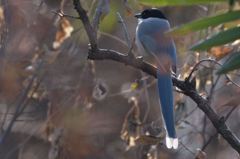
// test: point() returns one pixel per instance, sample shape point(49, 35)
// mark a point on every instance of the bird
point(151, 39)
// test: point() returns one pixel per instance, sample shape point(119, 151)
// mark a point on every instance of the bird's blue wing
point(151, 34)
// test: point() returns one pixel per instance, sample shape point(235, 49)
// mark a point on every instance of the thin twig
point(86, 23)
point(203, 133)
point(61, 14)
point(212, 89)
point(101, 10)
point(21, 104)
point(126, 33)
point(5, 115)
point(127, 36)
point(147, 110)
point(130, 46)
point(186, 148)
point(213, 136)
point(62, 4)
point(210, 101)
point(190, 113)
point(114, 38)
point(209, 60)
point(91, 8)
point(18, 109)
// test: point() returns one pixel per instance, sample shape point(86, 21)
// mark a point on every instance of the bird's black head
point(151, 13)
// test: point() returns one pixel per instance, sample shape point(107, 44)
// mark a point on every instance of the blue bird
point(151, 39)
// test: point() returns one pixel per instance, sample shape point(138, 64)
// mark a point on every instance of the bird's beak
point(138, 15)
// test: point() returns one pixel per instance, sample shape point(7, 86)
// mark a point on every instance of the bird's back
point(151, 38)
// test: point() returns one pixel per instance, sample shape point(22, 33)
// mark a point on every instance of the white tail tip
point(171, 143)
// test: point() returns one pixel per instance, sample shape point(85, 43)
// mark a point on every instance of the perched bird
point(151, 39)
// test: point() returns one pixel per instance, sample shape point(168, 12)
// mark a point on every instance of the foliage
point(220, 38)
point(232, 64)
point(160, 3)
point(205, 22)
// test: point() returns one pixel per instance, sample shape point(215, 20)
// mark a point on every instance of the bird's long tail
point(166, 98)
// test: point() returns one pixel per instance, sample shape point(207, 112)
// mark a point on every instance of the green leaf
point(160, 3)
point(205, 22)
point(221, 38)
point(232, 64)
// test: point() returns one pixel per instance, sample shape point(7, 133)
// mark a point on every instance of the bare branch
point(102, 9)
point(18, 110)
point(22, 103)
point(195, 68)
point(61, 14)
point(215, 134)
point(185, 86)
point(86, 23)
point(126, 34)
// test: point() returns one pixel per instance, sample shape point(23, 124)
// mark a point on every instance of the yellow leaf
point(64, 32)
point(134, 86)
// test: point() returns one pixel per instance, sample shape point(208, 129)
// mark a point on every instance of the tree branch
point(185, 86)
point(92, 35)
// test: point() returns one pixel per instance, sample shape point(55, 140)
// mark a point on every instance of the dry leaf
point(148, 140)
point(1, 14)
point(64, 32)
point(220, 51)
point(132, 124)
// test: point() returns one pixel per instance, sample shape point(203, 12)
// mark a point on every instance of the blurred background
point(57, 104)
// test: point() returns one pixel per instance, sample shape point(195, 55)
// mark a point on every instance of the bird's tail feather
point(166, 98)
point(171, 142)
